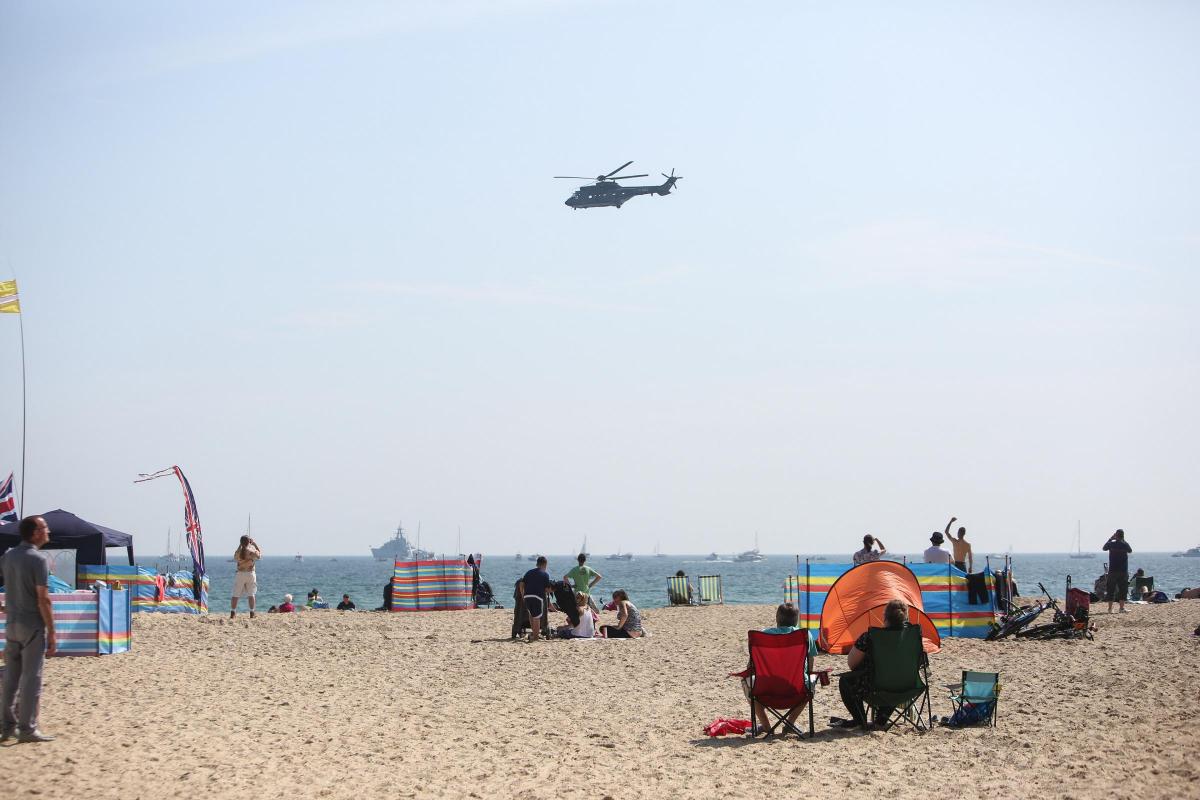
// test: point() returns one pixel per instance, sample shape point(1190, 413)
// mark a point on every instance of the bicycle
point(1063, 624)
point(1015, 619)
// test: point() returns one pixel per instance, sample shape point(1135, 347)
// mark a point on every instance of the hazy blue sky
point(926, 259)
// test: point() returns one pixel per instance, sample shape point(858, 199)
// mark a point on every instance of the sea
point(645, 577)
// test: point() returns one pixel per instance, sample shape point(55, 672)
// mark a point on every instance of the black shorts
point(534, 605)
point(1118, 585)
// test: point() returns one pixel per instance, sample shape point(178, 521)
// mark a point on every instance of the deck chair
point(781, 679)
point(679, 590)
point(710, 589)
point(899, 678)
point(1140, 585)
point(977, 688)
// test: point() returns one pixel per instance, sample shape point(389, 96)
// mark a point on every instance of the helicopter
point(607, 192)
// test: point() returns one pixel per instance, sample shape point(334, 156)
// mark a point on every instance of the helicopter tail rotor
point(670, 182)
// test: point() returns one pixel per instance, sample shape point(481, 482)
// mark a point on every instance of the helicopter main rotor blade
point(626, 177)
point(573, 177)
point(618, 169)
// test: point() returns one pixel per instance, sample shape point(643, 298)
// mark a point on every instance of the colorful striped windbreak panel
point(90, 623)
point(943, 592)
point(432, 586)
point(178, 597)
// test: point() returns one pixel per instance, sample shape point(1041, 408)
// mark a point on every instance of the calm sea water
point(644, 578)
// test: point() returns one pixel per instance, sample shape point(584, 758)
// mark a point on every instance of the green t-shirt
point(582, 576)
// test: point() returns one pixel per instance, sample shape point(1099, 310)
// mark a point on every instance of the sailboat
point(583, 551)
point(656, 553)
point(172, 561)
point(1079, 545)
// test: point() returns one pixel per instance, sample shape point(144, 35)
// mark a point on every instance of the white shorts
point(244, 584)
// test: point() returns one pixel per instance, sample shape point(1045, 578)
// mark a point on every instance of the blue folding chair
point(977, 689)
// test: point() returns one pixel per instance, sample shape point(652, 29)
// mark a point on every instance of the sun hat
point(937, 537)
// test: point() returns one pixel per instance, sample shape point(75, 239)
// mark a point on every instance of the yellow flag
point(10, 302)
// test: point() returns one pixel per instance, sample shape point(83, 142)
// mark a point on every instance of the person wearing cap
point(935, 554)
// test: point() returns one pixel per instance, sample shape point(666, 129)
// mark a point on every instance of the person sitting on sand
point(347, 604)
point(286, 606)
point(629, 619)
point(855, 684)
point(586, 629)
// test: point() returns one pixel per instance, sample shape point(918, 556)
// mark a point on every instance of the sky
point(925, 260)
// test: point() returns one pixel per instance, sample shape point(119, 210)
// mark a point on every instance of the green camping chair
point(679, 590)
point(899, 685)
point(977, 688)
point(710, 589)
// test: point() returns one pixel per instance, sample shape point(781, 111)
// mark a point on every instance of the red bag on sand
point(722, 727)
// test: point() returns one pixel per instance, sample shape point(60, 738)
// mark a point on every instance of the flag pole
point(21, 498)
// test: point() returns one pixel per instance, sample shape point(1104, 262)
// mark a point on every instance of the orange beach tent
point(857, 599)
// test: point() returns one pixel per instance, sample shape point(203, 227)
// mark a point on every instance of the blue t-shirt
point(1118, 555)
point(536, 581)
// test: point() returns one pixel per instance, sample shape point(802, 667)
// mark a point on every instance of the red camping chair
point(781, 678)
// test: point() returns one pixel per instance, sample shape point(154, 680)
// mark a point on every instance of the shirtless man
point(963, 558)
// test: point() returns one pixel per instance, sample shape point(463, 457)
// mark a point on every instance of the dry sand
point(366, 705)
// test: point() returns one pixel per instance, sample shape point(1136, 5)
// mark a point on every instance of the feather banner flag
point(10, 301)
point(8, 503)
point(191, 517)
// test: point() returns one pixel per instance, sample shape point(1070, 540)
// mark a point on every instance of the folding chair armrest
point(746, 673)
point(954, 687)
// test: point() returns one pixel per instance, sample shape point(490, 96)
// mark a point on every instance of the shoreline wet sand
point(443, 704)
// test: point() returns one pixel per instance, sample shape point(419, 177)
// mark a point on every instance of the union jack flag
point(191, 518)
point(8, 503)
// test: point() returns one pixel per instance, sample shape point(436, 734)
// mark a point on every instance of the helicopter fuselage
point(610, 193)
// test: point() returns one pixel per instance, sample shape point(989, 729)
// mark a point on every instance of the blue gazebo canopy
point(69, 532)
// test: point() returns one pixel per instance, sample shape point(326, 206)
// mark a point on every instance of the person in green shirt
point(584, 578)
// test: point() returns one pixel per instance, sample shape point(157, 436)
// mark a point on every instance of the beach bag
point(1159, 597)
point(970, 714)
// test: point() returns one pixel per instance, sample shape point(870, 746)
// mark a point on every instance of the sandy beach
point(322, 704)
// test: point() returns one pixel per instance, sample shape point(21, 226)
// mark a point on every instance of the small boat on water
point(518, 557)
point(1079, 545)
point(657, 554)
point(619, 556)
point(299, 557)
point(713, 557)
point(750, 555)
point(1192, 552)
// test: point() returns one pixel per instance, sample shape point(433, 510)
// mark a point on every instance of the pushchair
point(485, 597)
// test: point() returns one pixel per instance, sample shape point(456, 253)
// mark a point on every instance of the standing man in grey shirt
point(28, 631)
